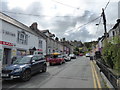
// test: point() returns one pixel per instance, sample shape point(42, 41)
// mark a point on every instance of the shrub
point(111, 53)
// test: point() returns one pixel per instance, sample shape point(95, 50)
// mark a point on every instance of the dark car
point(24, 67)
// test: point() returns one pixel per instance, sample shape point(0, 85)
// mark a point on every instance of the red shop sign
point(6, 43)
point(39, 50)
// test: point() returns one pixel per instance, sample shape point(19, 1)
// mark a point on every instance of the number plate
point(5, 75)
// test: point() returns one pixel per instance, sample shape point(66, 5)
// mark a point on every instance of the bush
point(111, 53)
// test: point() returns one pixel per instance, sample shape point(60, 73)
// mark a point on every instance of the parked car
point(56, 59)
point(72, 56)
point(38, 53)
point(80, 54)
point(24, 67)
point(15, 58)
point(67, 58)
point(87, 55)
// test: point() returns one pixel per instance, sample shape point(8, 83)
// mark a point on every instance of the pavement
point(103, 77)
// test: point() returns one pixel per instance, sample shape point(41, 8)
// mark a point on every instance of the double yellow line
point(96, 79)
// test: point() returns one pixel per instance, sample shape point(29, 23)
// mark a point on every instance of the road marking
point(97, 79)
point(95, 86)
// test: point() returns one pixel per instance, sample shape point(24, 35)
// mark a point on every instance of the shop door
point(7, 56)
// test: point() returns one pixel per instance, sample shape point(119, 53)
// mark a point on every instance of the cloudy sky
point(64, 18)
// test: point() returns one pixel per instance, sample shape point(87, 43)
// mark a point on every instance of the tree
point(111, 53)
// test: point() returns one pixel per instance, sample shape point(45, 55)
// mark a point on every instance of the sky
point(64, 18)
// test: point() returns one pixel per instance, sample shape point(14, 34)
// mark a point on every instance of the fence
point(114, 79)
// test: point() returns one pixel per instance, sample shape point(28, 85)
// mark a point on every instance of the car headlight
point(18, 70)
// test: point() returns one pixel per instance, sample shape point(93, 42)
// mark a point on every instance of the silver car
point(72, 56)
point(67, 58)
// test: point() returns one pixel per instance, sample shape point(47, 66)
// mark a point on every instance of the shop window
point(22, 38)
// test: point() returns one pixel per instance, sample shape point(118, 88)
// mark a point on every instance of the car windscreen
point(22, 60)
point(71, 55)
point(56, 56)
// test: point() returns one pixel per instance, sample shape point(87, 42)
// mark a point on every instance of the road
point(74, 74)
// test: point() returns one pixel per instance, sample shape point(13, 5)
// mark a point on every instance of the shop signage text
point(6, 43)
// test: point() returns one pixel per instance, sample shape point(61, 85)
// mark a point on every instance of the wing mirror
point(33, 61)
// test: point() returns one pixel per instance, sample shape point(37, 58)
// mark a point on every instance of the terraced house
point(18, 39)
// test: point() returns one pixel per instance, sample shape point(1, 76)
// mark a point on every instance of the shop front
point(6, 52)
point(21, 52)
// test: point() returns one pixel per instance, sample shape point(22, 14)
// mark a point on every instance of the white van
point(38, 53)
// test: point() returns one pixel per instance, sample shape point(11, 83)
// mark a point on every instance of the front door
point(6, 56)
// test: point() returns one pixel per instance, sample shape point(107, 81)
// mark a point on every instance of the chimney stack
point(34, 26)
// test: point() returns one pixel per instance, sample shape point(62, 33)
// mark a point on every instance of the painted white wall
point(32, 39)
point(111, 32)
point(118, 29)
point(100, 44)
point(43, 45)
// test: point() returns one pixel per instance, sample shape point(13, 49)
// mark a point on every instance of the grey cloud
point(82, 35)
point(25, 16)
point(61, 24)
point(86, 17)
point(58, 25)
point(64, 23)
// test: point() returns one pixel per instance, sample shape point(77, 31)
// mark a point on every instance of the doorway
point(6, 56)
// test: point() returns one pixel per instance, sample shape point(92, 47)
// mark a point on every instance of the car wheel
point(50, 64)
point(44, 68)
point(64, 61)
point(61, 63)
point(26, 75)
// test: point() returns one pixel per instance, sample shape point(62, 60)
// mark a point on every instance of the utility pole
point(104, 22)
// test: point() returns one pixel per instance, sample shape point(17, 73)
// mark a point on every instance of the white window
point(22, 38)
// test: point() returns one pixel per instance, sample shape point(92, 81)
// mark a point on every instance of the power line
point(101, 16)
point(61, 16)
point(107, 5)
point(98, 26)
point(51, 16)
point(86, 23)
point(35, 14)
point(89, 22)
point(65, 4)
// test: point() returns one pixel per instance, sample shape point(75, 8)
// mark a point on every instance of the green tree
point(111, 53)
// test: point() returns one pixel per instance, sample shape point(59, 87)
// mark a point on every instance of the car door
point(34, 64)
point(41, 61)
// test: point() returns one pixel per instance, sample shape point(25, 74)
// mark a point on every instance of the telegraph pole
point(104, 22)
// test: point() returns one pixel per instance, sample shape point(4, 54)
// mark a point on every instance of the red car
point(56, 59)
point(80, 54)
